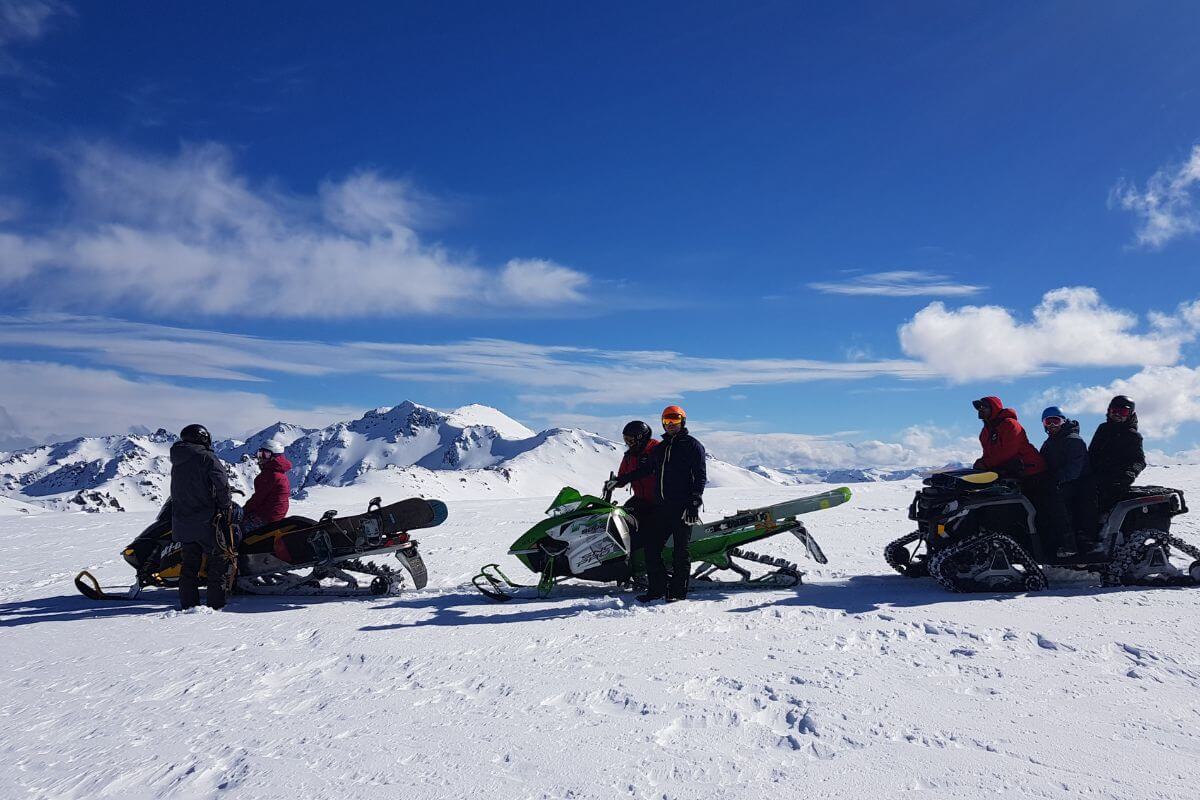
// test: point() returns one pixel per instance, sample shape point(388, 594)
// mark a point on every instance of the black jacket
point(1116, 453)
point(678, 464)
point(1066, 454)
point(199, 489)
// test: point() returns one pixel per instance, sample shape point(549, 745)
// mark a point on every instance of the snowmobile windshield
point(568, 499)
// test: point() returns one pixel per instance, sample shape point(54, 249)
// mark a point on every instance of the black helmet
point(638, 431)
point(196, 434)
point(1121, 401)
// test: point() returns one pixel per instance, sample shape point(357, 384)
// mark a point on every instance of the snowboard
point(334, 537)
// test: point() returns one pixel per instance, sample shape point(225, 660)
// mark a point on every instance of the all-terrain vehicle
point(591, 538)
point(977, 532)
point(296, 555)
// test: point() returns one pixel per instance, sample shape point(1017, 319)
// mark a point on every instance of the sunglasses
point(1053, 422)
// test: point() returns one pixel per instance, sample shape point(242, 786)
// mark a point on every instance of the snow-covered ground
point(858, 684)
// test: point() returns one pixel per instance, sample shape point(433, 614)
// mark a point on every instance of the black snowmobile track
point(981, 553)
point(1140, 544)
point(900, 558)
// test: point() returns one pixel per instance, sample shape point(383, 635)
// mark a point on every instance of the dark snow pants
point(1079, 497)
point(1050, 514)
point(189, 581)
point(668, 522)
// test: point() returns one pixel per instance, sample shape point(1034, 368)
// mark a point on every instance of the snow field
point(859, 683)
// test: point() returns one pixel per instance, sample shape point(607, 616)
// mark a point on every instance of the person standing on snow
point(1066, 457)
point(680, 473)
point(1008, 452)
point(201, 506)
point(272, 490)
point(639, 451)
point(1116, 452)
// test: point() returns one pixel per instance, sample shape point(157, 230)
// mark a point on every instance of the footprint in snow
point(1048, 644)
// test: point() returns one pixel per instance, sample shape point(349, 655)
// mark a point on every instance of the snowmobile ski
point(89, 587)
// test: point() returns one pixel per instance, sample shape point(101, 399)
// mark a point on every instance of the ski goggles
point(1053, 422)
point(675, 418)
point(1120, 412)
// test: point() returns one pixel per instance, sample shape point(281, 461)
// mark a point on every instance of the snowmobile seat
point(961, 480)
point(289, 523)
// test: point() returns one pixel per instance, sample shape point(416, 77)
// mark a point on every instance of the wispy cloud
point(55, 400)
point(899, 283)
point(189, 234)
point(1071, 327)
point(566, 376)
point(1166, 209)
point(23, 22)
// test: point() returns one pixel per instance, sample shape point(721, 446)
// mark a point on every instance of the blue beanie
point(1053, 411)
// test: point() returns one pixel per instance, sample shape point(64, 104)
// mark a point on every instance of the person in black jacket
point(1116, 452)
point(1066, 456)
point(200, 502)
point(678, 465)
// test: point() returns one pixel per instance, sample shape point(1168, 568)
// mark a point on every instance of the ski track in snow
point(859, 683)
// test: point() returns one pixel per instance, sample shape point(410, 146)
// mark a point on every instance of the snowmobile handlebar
point(609, 486)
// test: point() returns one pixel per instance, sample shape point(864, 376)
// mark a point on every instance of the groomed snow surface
point(858, 684)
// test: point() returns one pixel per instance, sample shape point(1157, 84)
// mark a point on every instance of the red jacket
point(1006, 448)
point(644, 489)
point(269, 503)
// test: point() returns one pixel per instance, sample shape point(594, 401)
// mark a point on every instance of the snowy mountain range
point(470, 452)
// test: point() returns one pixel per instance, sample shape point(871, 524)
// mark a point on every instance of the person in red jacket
point(269, 503)
point(1008, 452)
point(639, 445)
point(1006, 448)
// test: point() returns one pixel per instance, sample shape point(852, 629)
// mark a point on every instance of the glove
point(978, 463)
point(691, 515)
point(611, 484)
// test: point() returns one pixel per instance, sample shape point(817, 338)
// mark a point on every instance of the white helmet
point(272, 446)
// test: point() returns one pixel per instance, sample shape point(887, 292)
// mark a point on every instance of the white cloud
point(918, 446)
point(45, 399)
point(1166, 398)
point(1070, 327)
point(189, 234)
point(899, 283)
point(1166, 209)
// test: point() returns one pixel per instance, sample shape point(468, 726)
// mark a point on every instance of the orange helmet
point(671, 412)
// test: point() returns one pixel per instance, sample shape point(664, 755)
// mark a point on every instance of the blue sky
point(578, 213)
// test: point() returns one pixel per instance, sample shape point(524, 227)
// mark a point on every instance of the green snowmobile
point(589, 537)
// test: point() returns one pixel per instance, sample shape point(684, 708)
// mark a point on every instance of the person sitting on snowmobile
point(640, 444)
point(201, 504)
point(1008, 452)
point(680, 473)
point(1066, 457)
point(1116, 452)
point(269, 503)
